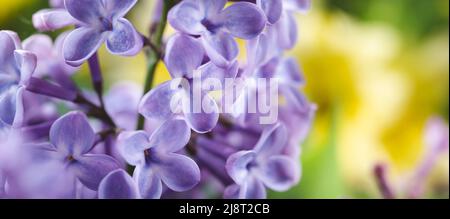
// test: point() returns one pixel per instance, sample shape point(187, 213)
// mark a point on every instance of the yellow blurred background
point(377, 69)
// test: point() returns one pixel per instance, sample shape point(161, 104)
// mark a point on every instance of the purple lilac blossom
point(217, 26)
point(100, 21)
point(157, 161)
point(223, 156)
point(263, 166)
point(71, 140)
point(96, 21)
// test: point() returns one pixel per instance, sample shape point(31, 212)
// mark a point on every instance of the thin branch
point(383, 185)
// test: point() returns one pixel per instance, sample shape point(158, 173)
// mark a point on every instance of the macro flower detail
point(217, 26)
point(184, 57)
point(157, 161)
point(96, 21)
point(170, 139)
point(263, 166)
point(16, 68)
point(71, 140)
point(100, 21)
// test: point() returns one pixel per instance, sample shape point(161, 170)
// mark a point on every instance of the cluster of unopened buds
point(221, 127)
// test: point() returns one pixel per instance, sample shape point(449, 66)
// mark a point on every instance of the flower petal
point(149, 183)
point(244, 20)
point(238, 165)
point(272, 8)
point(184, 54)
point(206, 118)
point(9, 42)
point(72, 134)
point(180, 173)
point(186, 17)
point(11, 107)
point(286, 28)
point(118, 9)
point(279, 173)
point(52, 19)
point(259, 52)
point(90, 169)
point(211, 8)
point(26, 62)
point(81, 44)
point(172, 136)
point(118, 185)
point(124, 40)
point(87, 11)
point(11, 37)
point(288, 72)
point(158, 103)
point(131, 146)
point(59, 51)
point(221, 48)
point(272, 141)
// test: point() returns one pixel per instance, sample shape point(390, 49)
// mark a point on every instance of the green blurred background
point(378, 69)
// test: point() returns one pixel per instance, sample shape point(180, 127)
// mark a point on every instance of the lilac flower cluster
point(127, 144)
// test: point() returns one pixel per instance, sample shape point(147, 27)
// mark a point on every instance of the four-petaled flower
point(96, 21)
point(16, 68)
point(156, 159)
point(71, 140)
point(264, 166)
point(217, 26)
point(100, 21)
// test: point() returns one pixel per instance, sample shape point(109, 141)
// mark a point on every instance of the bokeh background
point(378, 70)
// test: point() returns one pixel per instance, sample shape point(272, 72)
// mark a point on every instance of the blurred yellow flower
point(365, 72)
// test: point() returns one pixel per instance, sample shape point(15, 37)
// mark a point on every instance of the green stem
point(154, 56)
